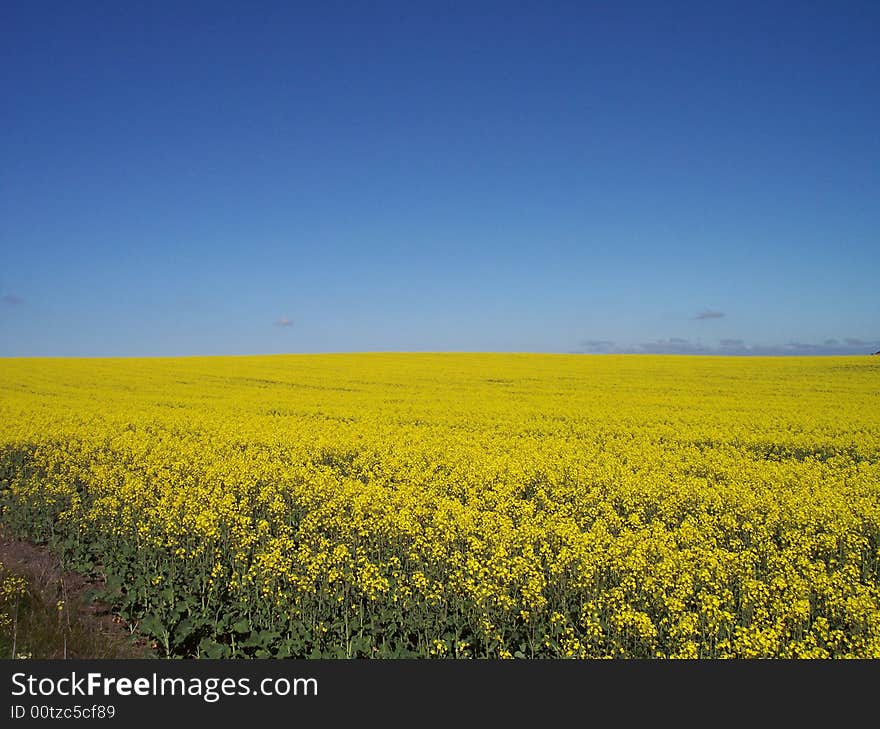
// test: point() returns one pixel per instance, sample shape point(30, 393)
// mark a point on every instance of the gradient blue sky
point(231, 178)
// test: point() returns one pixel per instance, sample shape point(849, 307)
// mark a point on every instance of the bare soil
point(84, 628)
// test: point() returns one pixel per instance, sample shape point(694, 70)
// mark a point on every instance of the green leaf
point(152, 625)
point(242, 626)
point(211, 649)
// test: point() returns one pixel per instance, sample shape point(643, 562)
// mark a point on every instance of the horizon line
point(729, 355)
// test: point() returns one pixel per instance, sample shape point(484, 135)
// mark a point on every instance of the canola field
point(460, 505)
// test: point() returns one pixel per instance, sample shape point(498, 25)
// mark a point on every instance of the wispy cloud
point(284, 322)
point(709, 314)
point(11, 299)
point(828, 347)
point(677, 345)
point(597, 345)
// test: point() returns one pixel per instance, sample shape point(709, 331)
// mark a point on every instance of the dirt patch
point(60, 617)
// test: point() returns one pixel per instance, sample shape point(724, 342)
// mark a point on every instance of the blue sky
point(233, 178)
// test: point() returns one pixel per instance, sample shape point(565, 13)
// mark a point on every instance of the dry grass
point(58, 615)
